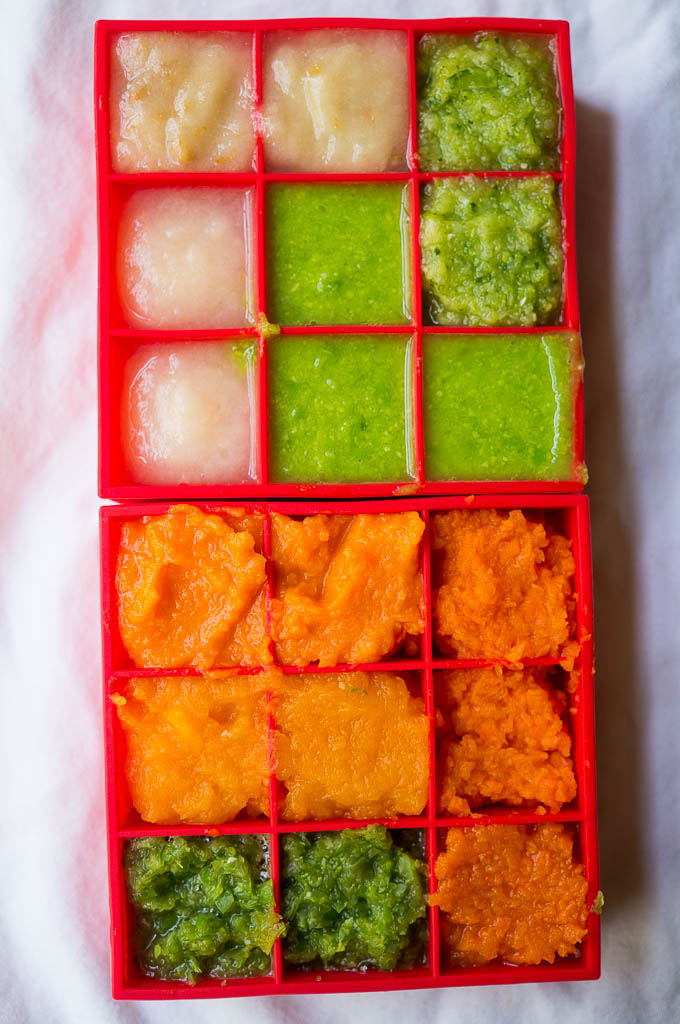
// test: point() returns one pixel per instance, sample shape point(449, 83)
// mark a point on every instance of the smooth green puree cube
point(340, 409)
point(491, 251)
point(500, 407)
point(338, 254)
point(487, 102)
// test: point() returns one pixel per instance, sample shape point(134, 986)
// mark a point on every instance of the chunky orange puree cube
point(503, 587)
point(348, 589)
point(506, 740)
point(191, 589)
point(512, 892)
point(197, 747)
point(352, 745)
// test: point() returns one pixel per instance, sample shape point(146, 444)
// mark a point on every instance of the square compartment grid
point(571, 513)
point(117, 341)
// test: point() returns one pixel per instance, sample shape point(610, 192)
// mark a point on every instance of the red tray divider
point(318, 177)
point(430, 711)
point(406, 329)
point(261, 396)
point(416, 287)
point(426, 647)
point(277, 952)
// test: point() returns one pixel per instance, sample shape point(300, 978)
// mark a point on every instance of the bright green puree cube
point(338, 254)
point(500, 407)
point(340, 409)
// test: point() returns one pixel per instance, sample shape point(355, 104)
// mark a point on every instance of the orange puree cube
point(509, 744)
point(191, 589)
point(503, 587)
point(351, 745)
point(512, 892)
point(348, 589)
point(197, 748)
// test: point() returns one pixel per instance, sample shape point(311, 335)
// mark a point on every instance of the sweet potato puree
point(503, 587)
point(348, 589)
point(197, 747)
point(351, 745)
point(507, 742)
point(512, 892)
point(191, 589)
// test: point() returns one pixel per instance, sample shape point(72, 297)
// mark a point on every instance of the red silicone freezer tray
point(568, 512)
point(117, 341)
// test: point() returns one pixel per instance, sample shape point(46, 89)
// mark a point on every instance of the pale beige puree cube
point(184, 258)
point(182, 101)
point(335, 100)
point(187, 412)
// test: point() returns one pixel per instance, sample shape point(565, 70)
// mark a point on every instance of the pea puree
point(500, 407)
point(203, 906)
point(491, 251)
point(487, 102)
point(338, 254)
point(340, 408)
point(352, 899)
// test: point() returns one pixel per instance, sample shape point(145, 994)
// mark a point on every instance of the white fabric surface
point(54, 918)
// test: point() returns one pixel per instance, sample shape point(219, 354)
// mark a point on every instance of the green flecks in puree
point(487, 102)
point(492, 251)
point(352, 899)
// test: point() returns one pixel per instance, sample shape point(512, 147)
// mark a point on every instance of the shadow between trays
point(617, 688)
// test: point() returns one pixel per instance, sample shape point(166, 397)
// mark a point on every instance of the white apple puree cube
point(187, 413)
point(182, 102)
point(335, 100)
point(184, 258)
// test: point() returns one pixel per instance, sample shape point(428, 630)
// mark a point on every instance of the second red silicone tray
point(568, 513)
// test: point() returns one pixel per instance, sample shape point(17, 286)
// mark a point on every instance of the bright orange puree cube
point(503, 587)
point(197, 747)
point(512, 892)
point(351, 745)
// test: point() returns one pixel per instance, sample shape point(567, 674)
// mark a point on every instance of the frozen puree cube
point(510, 892)
point(500, 407)
point(187, 410)
point(338, 253)
point(491, 251)
point(342, 742)
point(182, 102)
point(340, 409)
point(184, 258)
point(335, 100)
point(487, 102)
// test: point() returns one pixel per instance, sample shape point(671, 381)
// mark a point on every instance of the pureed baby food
point(338, 260)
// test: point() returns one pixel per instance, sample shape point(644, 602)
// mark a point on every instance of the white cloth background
point(53, 910)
